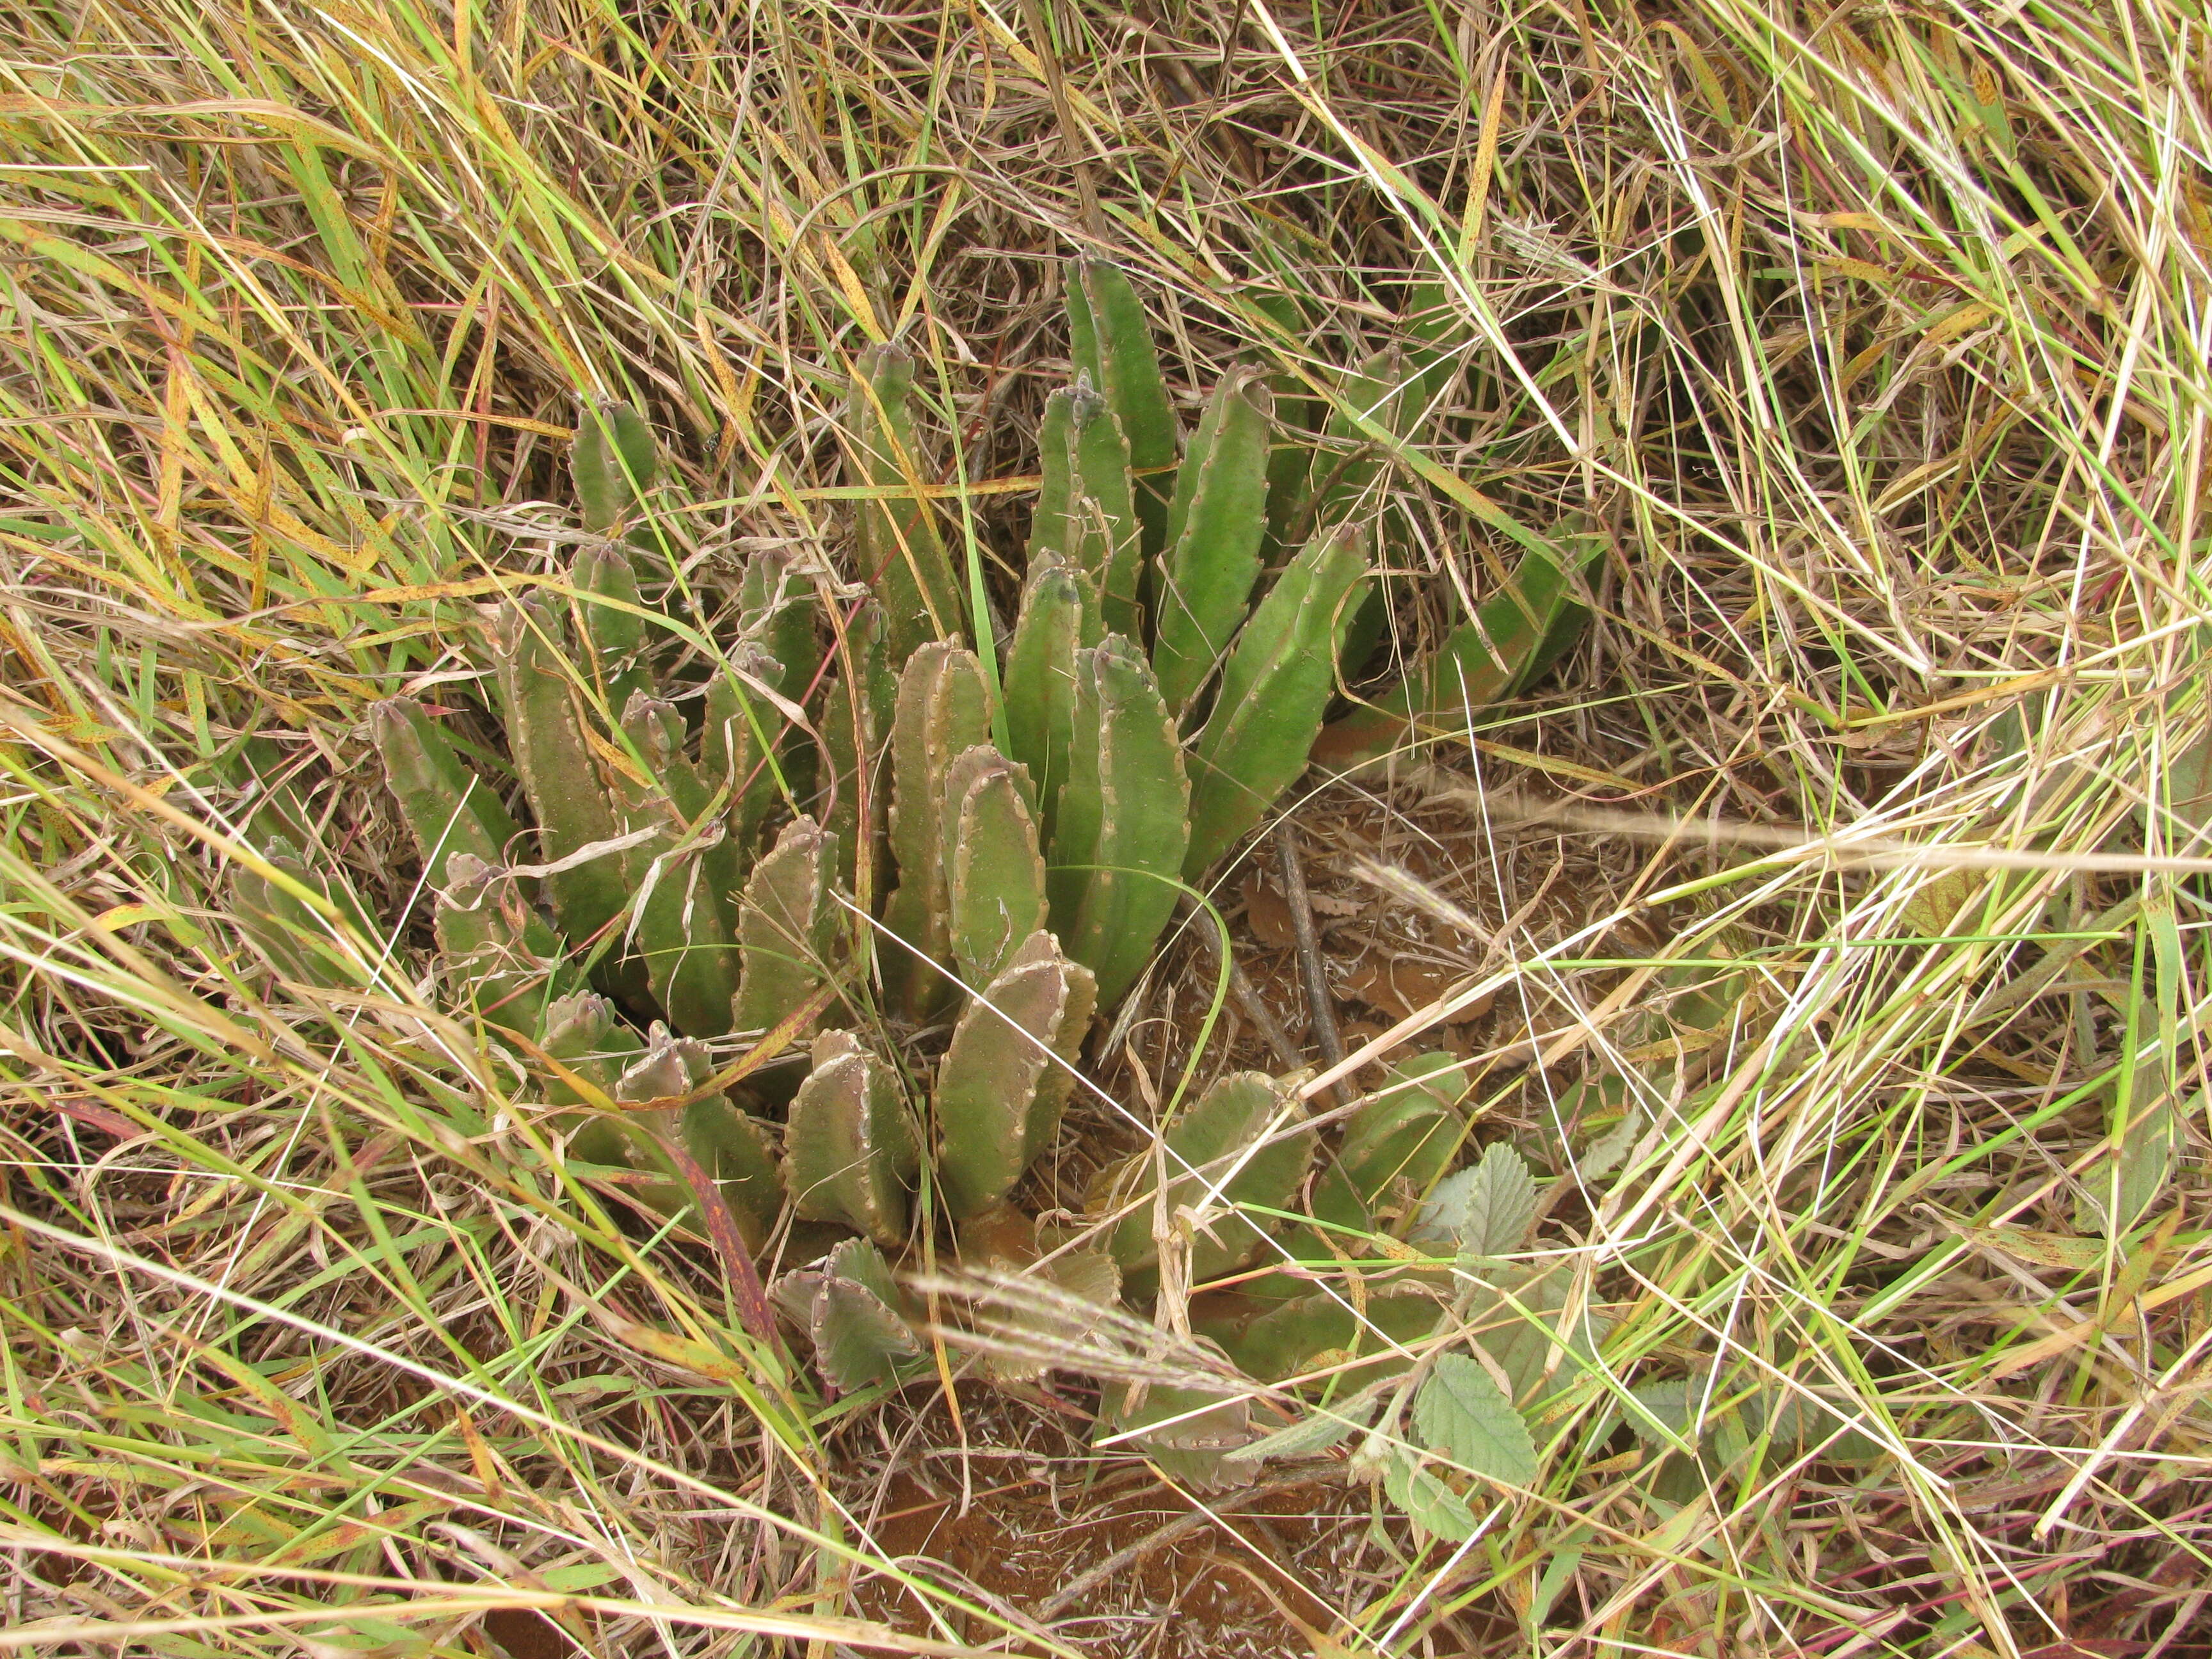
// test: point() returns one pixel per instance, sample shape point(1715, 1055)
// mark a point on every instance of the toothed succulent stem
point(1123, 825)
point(1086, 513)
point(1514, 637)
point(446, 807)
point(1240, 1143)
point(612, 626)
point(1274, 690)
point(1213, 529)
point(300, 941)
point(895, 542)
point(1003, 1081)
point(1039, 680)
point(994, 874)
point(568, 792)
point(942, 709)
point(851, 1153)
point(683, 932)
point(786, 928)
point(850, 1306)
point(1111, 342)
point(856, 725)
point(504, 959)
point(735, 752)
point(613, 462)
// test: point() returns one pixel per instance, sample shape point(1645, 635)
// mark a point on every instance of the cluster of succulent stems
point(932, 868)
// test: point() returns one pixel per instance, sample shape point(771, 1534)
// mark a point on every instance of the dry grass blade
point(1026, 1317)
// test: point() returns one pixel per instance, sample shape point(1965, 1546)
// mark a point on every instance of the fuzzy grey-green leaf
point(1483, 1210)
point(1428, 1502)
point(1461, 1414)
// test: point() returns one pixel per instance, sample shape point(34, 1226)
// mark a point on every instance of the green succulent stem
point(446, 807)
point(1124, 824)
point(1111, 342)
point(561, 773)
point(1004, 1080)
point(1513, 638)
point(900, 552)
point(943, 710)
point(614, 461)
point(1214, 528)
point(1274, 690)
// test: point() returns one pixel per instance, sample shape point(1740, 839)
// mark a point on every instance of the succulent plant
point(713, 833)
point(1240, 1143)
point(663, 899)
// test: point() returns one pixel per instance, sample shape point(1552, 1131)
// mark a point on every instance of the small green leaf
point(1669, 1414)
point(1485, 1210)
point(1461, 1414)
point(1322, 1428)
point(1429, 1504)
point(1518, 1324)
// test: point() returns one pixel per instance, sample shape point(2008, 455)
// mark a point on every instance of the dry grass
point(1874, 343)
